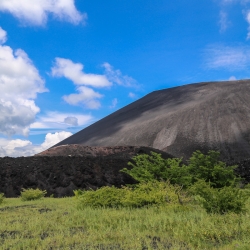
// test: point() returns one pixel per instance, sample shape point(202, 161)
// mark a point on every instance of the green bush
point(220, 200)
point(32, 194)
point(103, 197)
point(206, 167)
point(154, 167)
point(1, 198)
point(143, 194)
point(78, 193)
point(154, 193)
point(209, 168)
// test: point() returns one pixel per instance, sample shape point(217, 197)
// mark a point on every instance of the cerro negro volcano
point(174, 122)
point(180, 120)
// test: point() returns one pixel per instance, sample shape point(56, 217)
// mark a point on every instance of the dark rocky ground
point(66, 170)
point(63, 169)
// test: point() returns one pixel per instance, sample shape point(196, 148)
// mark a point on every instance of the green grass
point(57, 224)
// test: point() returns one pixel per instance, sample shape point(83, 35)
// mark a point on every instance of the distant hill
point(213, 115)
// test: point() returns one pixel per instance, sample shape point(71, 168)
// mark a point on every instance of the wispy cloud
point(114, 103)
point(226, 57)
point(248, 21)
point(30, 12)
point(59, 120)
point(232, 78)
point(223, 22)
point(132, 95)
point(116, 76)
point(3, 36)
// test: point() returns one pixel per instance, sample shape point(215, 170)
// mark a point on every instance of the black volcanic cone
point(180, 120)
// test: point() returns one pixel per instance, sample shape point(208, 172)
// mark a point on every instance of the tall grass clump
point(32, 194)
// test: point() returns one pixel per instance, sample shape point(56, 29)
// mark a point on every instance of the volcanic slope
point(180, 120)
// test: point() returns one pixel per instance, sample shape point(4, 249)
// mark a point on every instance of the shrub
point(209, 168)
point(1, 198)
point(103, 197)
point(143, 194)
point(220, 200)
point(78, 193)
point(32, 194)
point(154, 193)
point(154, 167)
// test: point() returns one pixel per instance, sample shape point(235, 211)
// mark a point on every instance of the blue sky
point(66, 64)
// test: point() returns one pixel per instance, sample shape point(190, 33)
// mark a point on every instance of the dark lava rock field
point(60, 174)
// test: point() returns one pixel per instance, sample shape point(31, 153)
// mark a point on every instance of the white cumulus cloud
point(17, 147)
point(74, 72)
point(52, 139)
point(85, 96)
point(35, 12)
point(85, 83)
point(19, 84)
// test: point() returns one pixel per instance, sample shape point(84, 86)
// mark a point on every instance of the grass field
point(52, 223)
